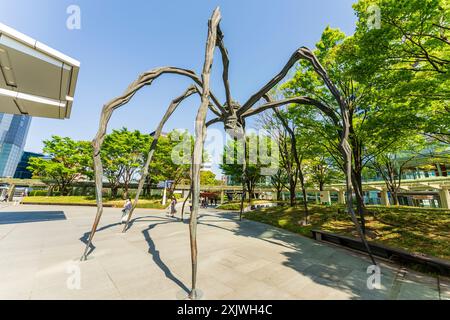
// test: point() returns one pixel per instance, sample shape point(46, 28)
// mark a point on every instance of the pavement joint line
point(11, 230)
point(439, 286)
point(396, 285)
point(112, 281)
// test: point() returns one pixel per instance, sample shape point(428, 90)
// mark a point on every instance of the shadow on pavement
point(31, 216)
point(324, 264)
point(151, 244)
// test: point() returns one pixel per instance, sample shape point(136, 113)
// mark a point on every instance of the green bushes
point(38, 193)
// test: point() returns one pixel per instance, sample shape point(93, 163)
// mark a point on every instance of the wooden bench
point(394, 254)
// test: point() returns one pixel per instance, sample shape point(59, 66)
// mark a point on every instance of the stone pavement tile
point(252, 265)
point(60, 283)
point(265, 250)
point(6, 229)
point(420, 278)
point(213, 288)
point(294, 286)
point(232, 259)
point(16, 286)
point(415, 291)
point(296, 261)
point(171, 294)
point(310, 287)
point(148, 288)
point(357, 282)
point(328, 272)
point(444, 288)
point(250, 289)
point(127, 276)
point(12, 258)
point(58, 292)
point(216, 270)
point(335, 294)
point(237, 260)
point(17, 278)
point(49, 258)
point(60, 274)
point(319, 252)
point(274, 274)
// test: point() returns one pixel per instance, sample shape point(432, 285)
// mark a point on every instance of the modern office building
point(22, 172)
point(13, 134)
point(35, 81)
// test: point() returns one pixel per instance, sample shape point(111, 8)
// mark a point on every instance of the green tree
point(279, 181)
point(208, 178)
point(123, 154)
point(408, 54)
point(392, 163)
point(321, 170)
point(257, 162)
point(368, 107)
point(69, 161)
point(171, 160)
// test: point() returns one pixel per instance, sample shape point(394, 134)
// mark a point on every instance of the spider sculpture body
point(231, 114)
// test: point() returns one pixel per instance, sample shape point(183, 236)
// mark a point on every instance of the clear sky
point(118, 40)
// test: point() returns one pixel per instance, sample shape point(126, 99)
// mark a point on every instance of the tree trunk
point(64, 190)
point(292, 195)
point(395, 197)
point(251, 191)
point(305, 201)
point(356, 148)
point(114, 191)
point(278, 194)
point(321, 185)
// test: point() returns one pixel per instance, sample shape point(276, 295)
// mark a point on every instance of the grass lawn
point(236, 204)
point(418, 230)
point(84, 200)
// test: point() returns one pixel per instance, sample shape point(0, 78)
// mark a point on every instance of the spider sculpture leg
point(107, 111)
point(172, 107)
point(97, 161)
point(344, 146)
point(200, 135)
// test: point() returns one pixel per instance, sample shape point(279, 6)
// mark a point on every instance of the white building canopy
point(35, 80)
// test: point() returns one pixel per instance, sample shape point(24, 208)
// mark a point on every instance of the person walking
point(173, 210)
point(126, 210)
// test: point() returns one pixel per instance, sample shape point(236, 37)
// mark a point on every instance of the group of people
point(127, 207)
point(5, 198)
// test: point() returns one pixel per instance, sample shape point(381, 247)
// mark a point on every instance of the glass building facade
point(22, 172)
point(13, 136)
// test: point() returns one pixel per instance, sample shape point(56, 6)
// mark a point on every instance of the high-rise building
point(13, 135)
point(22, 171)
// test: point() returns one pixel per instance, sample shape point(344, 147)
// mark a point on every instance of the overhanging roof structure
point(35, 79)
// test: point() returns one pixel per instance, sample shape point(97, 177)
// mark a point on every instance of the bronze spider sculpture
point(231, 114)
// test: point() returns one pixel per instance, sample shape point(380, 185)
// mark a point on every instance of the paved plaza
point(40, 247)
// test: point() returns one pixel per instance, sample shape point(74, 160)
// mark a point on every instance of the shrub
point(38, 193)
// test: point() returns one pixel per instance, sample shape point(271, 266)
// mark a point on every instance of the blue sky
point(119, 40)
